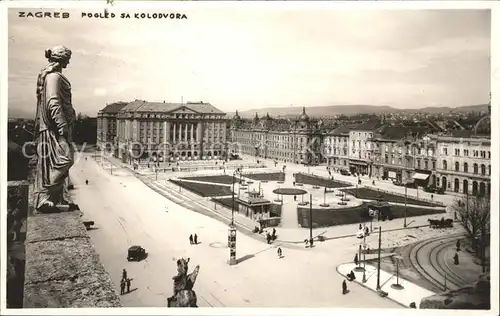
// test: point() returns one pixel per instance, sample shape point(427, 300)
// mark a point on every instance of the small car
point(136, 253)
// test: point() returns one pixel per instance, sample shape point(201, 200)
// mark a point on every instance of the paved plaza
point(162, 223)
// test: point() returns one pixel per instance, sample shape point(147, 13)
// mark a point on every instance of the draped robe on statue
point(55, 151)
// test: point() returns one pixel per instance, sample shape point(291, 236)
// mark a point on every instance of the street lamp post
point(310, 221)
point(397, 286)
point(406, 192)
point(232, 208)
point(324, 197)
point(232, 233)
point(379, 246)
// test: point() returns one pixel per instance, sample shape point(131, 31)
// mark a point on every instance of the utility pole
point(406, 192)
point(232, 208)
point(483, 250)
point(379, 246)
point(310, 221)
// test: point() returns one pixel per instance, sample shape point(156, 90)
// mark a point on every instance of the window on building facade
point(457, 152)
point(426, 164)
point(457, 166)
point(489, 154)
point(418, 163)
point(475, 168)
point(386, 159)
point(483, 170)
point(466, 167)
point(483, 154)
point(445, 151)
point(433, 165)
point(489, 170)
point(445, 164)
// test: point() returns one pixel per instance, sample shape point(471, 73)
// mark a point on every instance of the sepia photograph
point(249, 156)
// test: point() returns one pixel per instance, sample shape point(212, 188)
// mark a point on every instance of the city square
point(195, 193)
point(297, 160)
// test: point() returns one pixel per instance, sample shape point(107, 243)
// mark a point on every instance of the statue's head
point(59, 54)
point(182, 266)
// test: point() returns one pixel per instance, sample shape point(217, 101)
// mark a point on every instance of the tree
point(473, 213)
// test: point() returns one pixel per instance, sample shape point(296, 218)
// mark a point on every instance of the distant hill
point(20, 113)
point(23, 114)
point(322, 111)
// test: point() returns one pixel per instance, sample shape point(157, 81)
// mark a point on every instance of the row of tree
point(473, 213)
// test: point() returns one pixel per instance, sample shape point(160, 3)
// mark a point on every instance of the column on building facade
point(199, 136)
point(166, 138)
point(191, 140)
point(175, 132)
point(179, 125)
point(186, 132)
point(157, 123)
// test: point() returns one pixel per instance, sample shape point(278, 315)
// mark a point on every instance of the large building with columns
point(297, 141)
point(106, 125)
point(171, 131)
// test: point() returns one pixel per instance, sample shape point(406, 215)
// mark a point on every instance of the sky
point(246, 59)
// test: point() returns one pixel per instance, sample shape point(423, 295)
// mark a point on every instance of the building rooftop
point(402, 132)
point(114, 107)
point(144, 106)
point(367, 126)
point(344, 129)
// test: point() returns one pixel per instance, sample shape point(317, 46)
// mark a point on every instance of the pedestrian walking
point(432, 196)
point(356, 261)
point(293, 183)
point(191, 239)
point(122, 287)
point(195, 239)
point(128, 285)
point(344, 287)
point(458, 245)
point(124, 274)
point(280, 252)
point(360, 226)
point(16, 228)
point(295, 198)
point(87, 182)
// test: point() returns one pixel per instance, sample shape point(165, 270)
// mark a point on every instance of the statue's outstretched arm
point(54, 103)
point(194, 274)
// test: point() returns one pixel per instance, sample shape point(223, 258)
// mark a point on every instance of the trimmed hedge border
point(359, 214)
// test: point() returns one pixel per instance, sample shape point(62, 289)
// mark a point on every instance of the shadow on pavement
point(244, 258)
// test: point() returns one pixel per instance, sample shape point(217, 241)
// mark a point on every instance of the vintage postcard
point(277, 156)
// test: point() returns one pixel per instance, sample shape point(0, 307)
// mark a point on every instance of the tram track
point(424, 257)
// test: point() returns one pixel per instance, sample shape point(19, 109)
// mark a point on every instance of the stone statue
point(184, 296)
point(53, 125)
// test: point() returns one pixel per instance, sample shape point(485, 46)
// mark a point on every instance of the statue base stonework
point(46, 209)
